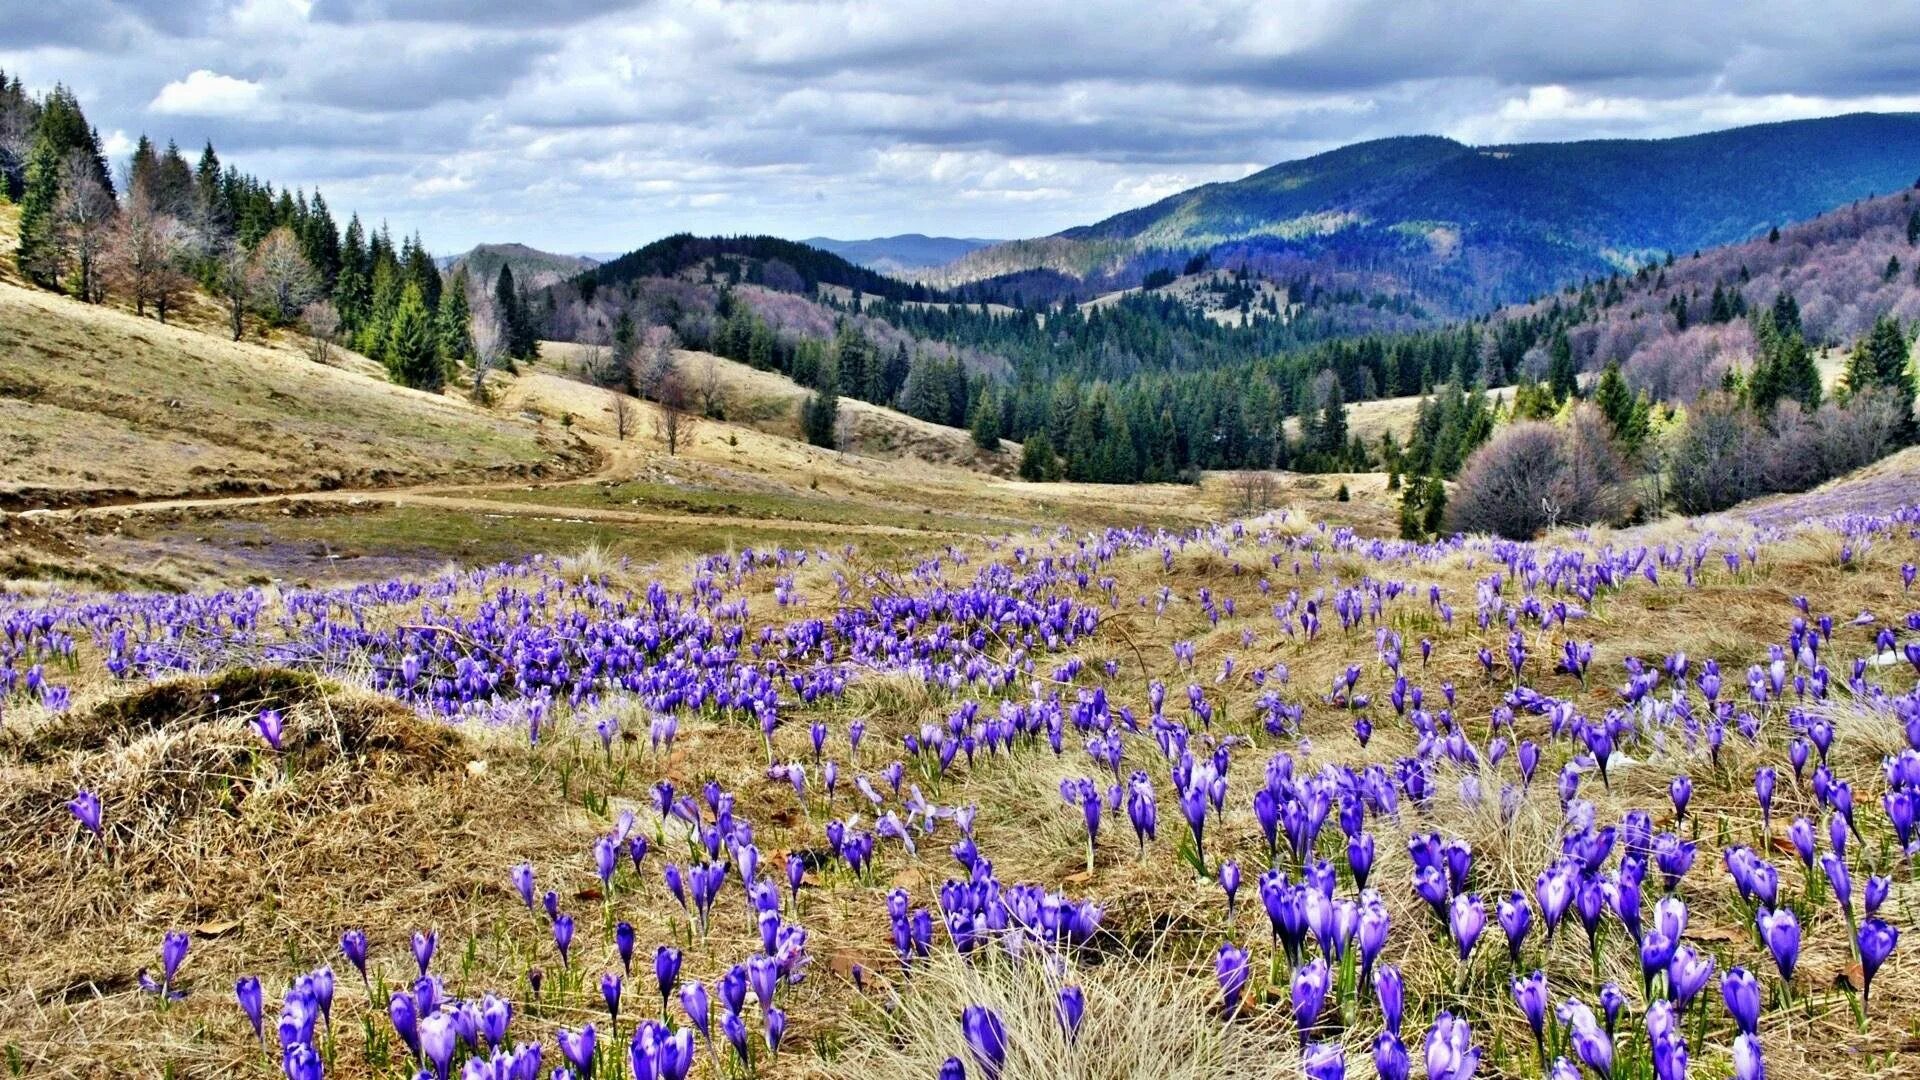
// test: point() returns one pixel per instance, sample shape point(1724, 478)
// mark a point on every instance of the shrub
point(1534, 475)
point(1507, 485)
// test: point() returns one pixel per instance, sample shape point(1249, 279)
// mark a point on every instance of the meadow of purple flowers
point(1302, 775)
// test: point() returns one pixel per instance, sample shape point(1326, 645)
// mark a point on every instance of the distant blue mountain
point(899, 256)
point(1467, 226)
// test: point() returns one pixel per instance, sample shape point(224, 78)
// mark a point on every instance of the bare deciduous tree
point(86, 215)
point(654, 363)
point(282, 281)
point(622, 406)
point(1255, 489)
point(145, 256)
point(713, 391)
point(675, 421)
point(489, 348)
point(1507, 486)
point(233, 285)
point(322, 321)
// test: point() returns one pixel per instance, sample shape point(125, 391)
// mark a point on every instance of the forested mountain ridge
point(907, 256)
point(1462, 228)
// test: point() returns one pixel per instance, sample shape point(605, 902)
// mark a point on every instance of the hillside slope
point(769, 402)
point(1843, 269)
point(97, 405)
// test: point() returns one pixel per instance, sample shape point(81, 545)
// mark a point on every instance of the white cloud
point(207, 93)
point(581, 124)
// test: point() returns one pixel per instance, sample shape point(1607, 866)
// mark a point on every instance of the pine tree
point(1614, 399)
point(1913, 227)
point(1332, 430)
point(820, 416)
point(1562, 377)
point(454, 319)
point(986, 424)
point(412, 355)
point(1037, 460)
point(1879, 362)
point(39, 254)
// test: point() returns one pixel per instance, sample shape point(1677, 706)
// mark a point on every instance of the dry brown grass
point(170, 410)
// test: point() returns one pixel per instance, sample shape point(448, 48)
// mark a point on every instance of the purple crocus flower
point(272, 727)
point(676, 1055)
point(353, 945)
point(1451, 1054)
point(1747, 1061)
point(1593, 1045)
point(1530, 993)
point(1835, 869)
point(86, 808)
point(623, 939)
point(1229, 883)
point(423, 946)
point(1230, 967)
point(247, 991)
point(173, 953)
point(1741, 992)
point(1325, 1061)
point(666, 973)
point(1780, 929)
point(563, 937)
point(1073, 1008)
point(1876, 941)
point(611, 985)
point(1390, 1061)
point(1466, 918)
point(438, 1040)
point(496, 1013)
point(577, 1047)
point(1310, 985)
point(1681, 791)
point(1390, 990)
point(1516, 917)
point(694, 1001)
point(402, 1010)
point(735, 1029)
point(952, 1069)
point(986, 1039)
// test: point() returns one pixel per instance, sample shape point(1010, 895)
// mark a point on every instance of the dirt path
point(621, 463)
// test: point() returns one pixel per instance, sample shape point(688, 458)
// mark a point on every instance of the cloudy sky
point(596, 125)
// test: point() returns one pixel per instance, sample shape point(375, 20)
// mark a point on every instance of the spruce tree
point(1879, 362)
point(39, 254)
point(412, 355)
point(1037, 460)
point(1562, 377)
point(1614, 399)
point(820, 416)
point(454, 321)
point(986, 423)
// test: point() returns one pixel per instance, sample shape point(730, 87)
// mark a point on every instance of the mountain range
point(1462, 228)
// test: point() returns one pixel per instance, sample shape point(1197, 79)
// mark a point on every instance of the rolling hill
point(1466, 227)
point(533, 268)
